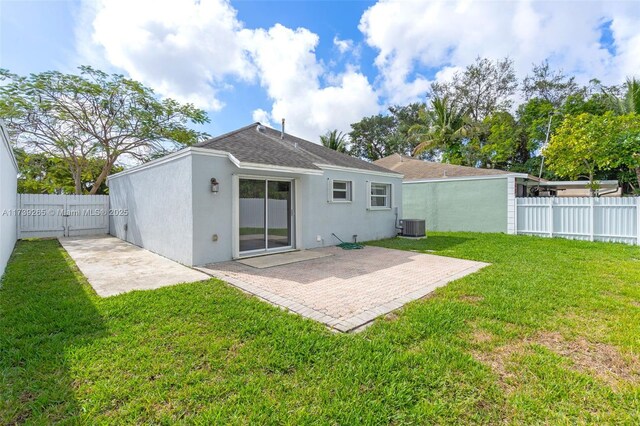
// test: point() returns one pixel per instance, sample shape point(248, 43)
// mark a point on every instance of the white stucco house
point(8, 189)
point(249, 192)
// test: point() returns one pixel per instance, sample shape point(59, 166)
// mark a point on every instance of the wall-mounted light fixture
point(215, 185)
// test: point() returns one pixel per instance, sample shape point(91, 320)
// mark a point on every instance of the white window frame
point(348, 190)
point(387, 196)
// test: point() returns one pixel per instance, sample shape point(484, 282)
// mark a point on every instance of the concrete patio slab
point(349, 288)
point(271, 260)
point(113, 266)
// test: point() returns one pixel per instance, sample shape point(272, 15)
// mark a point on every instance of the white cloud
point(191, 50)
point(262, 117)
point(433, 35)
point(627, 36)
point(343, 45)
point(291, 74)
point(183, 49)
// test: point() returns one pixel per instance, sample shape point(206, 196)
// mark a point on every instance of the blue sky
point(320, 64)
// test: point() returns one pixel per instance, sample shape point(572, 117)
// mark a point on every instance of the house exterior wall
point(159, 203)
point(172, 211)
point(315, 215)
point(478, 205)
point(322, 217)
point(8, 197)
point(212, 213)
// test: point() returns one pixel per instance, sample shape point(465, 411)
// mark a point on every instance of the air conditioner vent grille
point(413, 228)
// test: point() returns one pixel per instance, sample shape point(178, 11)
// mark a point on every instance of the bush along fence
point(581, 218)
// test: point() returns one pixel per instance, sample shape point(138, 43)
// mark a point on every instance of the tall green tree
point(535, 118)
point(584, 144)
point(630, 102)
point(406, 117)
point(504, 137)
point(548, 85)
point(374, 137)
point(334, 140)
point(93, 115)
point(381, 135)
point(628, 143)
point(439, 130)
point(483, 88)
point(594, 99)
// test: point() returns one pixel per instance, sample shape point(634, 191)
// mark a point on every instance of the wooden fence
point(43, 215)
point(584, 218)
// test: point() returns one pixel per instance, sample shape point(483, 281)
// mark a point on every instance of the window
point(380, 196)
point(340, 191)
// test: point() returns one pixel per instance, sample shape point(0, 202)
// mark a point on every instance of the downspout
point(398, 224)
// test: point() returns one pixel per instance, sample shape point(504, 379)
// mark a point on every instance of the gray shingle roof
point(248, 144)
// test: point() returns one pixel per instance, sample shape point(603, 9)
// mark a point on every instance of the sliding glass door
point(278, 214)
point(266, 212)
point(252, 215)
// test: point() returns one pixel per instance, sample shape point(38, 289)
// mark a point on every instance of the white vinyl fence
point(582, 218)
point(252, 213)
point(43, 215)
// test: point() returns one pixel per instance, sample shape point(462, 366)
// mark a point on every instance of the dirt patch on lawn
point(468, 298)
point(600, 360)
point(479, 336)
point(502, 361)
point(391, 316)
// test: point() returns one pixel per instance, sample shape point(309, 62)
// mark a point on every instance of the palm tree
point(441, 127)
point(335, 140)
point(631, 101)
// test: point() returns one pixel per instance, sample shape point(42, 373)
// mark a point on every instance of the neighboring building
point(457, 198)
point(574, 188)
point(8, 191)
point(249, 192)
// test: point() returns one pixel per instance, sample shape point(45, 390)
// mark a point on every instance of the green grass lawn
point(549, 333)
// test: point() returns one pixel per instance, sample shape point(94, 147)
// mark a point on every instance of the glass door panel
point(252, 215)
point(278, 214)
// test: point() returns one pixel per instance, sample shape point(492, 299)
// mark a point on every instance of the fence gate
point(44, 215)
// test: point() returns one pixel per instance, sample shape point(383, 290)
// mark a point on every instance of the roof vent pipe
point(282, 132)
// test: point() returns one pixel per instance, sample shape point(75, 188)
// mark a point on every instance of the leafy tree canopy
point(93, 115)
point(381, 135)
point(552, 86)
point(584, 143)
point(482, 88)
point(43, 174)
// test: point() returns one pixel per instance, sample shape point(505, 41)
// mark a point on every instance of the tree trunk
point(77, 180)
point(638, 176)
point(103, 175)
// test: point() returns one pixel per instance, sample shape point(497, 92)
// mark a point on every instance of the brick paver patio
point(350, 288)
